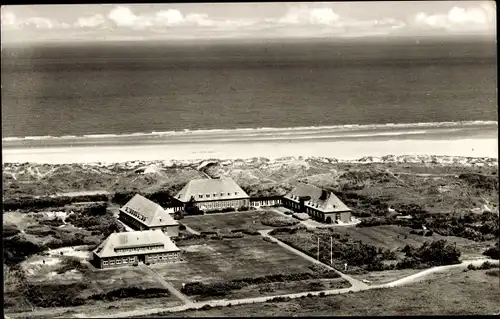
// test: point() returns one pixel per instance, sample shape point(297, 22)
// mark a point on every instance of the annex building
point(317, 203)
point(142, 214)
point(150, 246)
point(210, 194)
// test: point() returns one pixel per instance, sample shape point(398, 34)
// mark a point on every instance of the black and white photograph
point(250, 159)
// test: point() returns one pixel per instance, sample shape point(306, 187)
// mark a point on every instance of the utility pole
point(318, 248)
point(331, 250)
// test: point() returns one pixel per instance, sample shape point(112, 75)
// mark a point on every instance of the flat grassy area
point(452, 293)
point(218, 260)
point(229, 221)
point(393, 237)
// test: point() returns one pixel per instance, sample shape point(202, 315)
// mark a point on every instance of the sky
point(143, 22)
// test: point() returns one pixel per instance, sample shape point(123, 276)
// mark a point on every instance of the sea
point(124, 88)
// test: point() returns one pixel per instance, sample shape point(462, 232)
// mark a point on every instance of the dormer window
point(200, 196)
point(235, 193)
point(221, 194)
point(228, 194)
point(207, 195)
point(215, 195)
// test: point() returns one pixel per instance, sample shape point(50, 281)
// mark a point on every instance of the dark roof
point(319, 199)
point(224, 188)
point(111, 246)
point(147, 212)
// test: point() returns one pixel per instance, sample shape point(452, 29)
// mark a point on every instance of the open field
point(396, 237)
point(221, 260)
point(229, 221)
point(452, 293)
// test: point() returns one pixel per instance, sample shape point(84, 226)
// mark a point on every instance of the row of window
point(231, 203)
point(139, 248)
point(125, 260)
point(135, 213)
point(215, 195)
point(164, 256)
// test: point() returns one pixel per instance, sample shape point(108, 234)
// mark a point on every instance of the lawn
point(213, 261)
point(229, 221)
point(453, 293)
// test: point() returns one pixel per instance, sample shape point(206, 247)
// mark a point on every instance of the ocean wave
point(263, 130)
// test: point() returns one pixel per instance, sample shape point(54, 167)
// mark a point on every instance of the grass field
point(228, 221)
point(218, 260)
point(453, 293)
point(393, 237)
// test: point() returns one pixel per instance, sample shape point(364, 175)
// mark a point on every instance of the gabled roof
point(320, 199)
point(108, 248)
point(147, 212)
point(224, 188)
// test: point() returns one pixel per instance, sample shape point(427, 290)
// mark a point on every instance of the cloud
point(123, 17)
point(8, 18)
point(91, 21)
point(458, 18)
point(305, 15)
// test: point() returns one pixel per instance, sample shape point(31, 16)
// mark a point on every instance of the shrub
point(492, 252)
point(182, 227)
point(488, 265)
point(69, 263)
point(279, 221)
point(10, 230)
point(52, 295)
point(132, 292)
point(494, 273)
point(243, 209)
point(233, 235)
point(268, 240)
point(16, 248)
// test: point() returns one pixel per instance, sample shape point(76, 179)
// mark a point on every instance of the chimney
point(324, 194)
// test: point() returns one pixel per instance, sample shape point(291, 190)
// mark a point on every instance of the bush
point(10, 230)
point(279, 221)
point(268, 240)
point(16, 248)
point(182, 227)
point(46, 202)
point(224, 287)
point(243, 209)
point(233, 235)
point(69, 263)
point(494, 273)
point(131, 292)
point(52, 295)
point(492, 252)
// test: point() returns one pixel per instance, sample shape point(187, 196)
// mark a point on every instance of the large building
point(142, 214)
point(129, 248)
point(317, 203)
point(212, 194)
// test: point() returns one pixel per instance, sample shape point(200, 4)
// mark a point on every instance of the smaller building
point(319, 204)
point(141, 213)
point(129, 248)
point(213, 194)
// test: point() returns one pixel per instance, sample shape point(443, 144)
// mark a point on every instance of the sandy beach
point(347, 143)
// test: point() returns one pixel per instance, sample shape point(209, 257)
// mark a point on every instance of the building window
point(228, 194)
point(125, 260)
point(118, 261)
point(105, 262)
point(221, 194)
point(111, 262)
point(207, 195)
point(235, 193)
point(215, 194)
point(200, 196)
point(131, 259)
